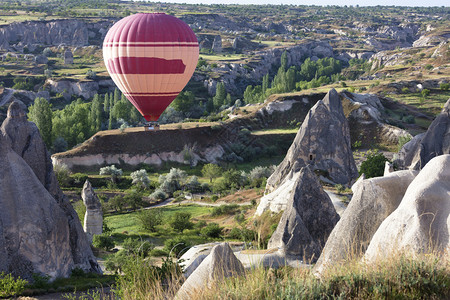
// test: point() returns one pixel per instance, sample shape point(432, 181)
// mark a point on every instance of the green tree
point(211, 171)
point(221, 94)
point(150, 218)
point(184, 101)
point(284, 61)
point(117, 96)
point(181, 221)
point(96, 114)
point(41, 114)
point(373, 166)
point(265, 84)
point(106, 104)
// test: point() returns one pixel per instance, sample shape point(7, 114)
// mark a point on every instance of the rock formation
point(25, 140)
point(93, 218)
point(34, 233)
point(421, 223)
point(373, 200)
point(323, 141)
point(423, 147)
point(68, 57)
point(217, 44)
point(307, 221)
point(220, 263)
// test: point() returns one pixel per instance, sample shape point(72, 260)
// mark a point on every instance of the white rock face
point(373, 200)
point(208, 155)
point(93, 218)
point(279, 106)
point(277, 200)
point(421, 223)
point(220, 263)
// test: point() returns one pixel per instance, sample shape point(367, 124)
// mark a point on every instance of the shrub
point(139, 247)
point(374, 165)
point(444, 86)
point(150, 218)
point(402, 140)
point(224, 210)
point(103, 241)
point(211, 171)
point(235, 233)
point(409, 119)
point(113, 171)
point(133, 199)
point(62, 173)
point(117, 203)
point(159, 252)
point(173, 181)
point(177, 245)
point(425, 93)
point(140, 178)
point(405, 90)
point(212, 230)
point(158, 194)
point(79, 178)
point(339, 188)
point(181, 221)
point(193, 185)
point(10, 286)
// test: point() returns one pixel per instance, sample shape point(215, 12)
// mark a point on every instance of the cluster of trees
point(79, 120)
point(311, 74)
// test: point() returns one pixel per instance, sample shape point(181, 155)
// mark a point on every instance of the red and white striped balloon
point(150, 58)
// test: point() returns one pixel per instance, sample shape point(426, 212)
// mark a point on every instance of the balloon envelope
point(150, 58)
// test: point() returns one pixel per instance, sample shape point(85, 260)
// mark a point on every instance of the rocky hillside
point(234, 139)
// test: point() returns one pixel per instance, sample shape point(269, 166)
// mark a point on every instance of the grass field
point(128, 222)
point(215, 57)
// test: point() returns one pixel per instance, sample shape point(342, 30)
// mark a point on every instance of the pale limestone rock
point(307, 221)
point(93, 218)
point(220, 263)
point(373, 200)
point(421, 223)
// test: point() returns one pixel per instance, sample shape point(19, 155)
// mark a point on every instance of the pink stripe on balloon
point(145, 65)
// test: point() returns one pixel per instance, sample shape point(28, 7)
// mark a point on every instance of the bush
point(405, 90)
point(135, 246)
point(113, 171)
point(193, 185)
point(409, 119)
point(173, 181)
point(133, 199)
point(140, 178)
point(374, 165)
point(10, 286)
point(79, 178)
point(181, 221)
point(62, 173)
point(212, 230)
point(159, 252)
point(224, 210)
point(103, 241)
point(444, 86)
point(158, 194)
point(402, 140)
point(150, 218)
point(177, 245)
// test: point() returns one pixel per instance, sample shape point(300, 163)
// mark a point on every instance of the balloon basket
point(151, 126)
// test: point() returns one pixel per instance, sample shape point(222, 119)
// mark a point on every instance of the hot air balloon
point(150, 57)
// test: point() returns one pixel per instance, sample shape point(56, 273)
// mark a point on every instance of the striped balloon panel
point(151, 58)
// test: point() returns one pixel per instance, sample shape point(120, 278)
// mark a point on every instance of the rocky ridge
point(22, 138)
